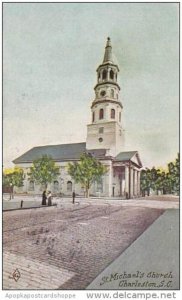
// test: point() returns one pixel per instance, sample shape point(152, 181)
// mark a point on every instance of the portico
point(126, 175)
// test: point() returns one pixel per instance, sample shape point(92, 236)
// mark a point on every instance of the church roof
point(125, 155)
point(130, 155)
point(66, 152)
point(61, 152)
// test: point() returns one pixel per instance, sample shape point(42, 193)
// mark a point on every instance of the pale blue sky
point(51, 52)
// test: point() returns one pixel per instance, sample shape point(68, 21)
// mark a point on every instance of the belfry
point(104, 141)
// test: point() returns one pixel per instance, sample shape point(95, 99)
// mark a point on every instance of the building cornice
point(95, 102)
point(107, 64)
point(107, 82)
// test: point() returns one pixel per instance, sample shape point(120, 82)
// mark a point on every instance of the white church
point(105, 141)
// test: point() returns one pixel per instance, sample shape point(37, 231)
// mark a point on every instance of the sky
point(50, 55)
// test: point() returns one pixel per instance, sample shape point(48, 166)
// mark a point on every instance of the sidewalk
point(151, 262)
point(35, 201)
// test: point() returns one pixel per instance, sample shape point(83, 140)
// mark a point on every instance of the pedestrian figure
point(74, 195)
point(44, 197)
point(49, 198)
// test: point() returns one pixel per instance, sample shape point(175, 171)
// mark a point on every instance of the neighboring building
point(105, 140)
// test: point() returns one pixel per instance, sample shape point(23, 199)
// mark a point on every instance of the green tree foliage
point(13, 177)
point(43, 171)
point(167, 182)
point(145, 182)
point(86, 171)
point(174, 175)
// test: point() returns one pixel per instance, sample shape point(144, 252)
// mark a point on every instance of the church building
point(105, 141)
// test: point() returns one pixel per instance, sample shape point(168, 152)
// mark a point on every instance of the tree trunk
point(11, 195)
point(148, 192)
point(87, 189)
point(87, 192)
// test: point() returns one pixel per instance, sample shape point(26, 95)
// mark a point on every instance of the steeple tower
point(105, 131)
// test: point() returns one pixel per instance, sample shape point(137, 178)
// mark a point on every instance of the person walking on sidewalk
point(49, 198)
point(44, 198)
point(74, 195)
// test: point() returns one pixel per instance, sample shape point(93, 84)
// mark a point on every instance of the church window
point(101, 130)
point(104, 74)
point(31, 186)
point(101, 114)
point(56, 186)
point(112, 113)
point(112, 93)
point(119, 116)
point(93, 117)
point(69, 186)
point(111, 74)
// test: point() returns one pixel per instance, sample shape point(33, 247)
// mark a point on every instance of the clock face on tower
point(102, 93)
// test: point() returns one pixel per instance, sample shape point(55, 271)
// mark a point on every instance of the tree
point(165, 180)
point(149, 180)
point(174, 175)
point(43, 171)
point(13, 177)
point(145, 180)
point(86, 171)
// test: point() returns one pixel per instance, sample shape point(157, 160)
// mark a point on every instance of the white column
point(135, 182)
point(126, 180)
point(131, 182)
point(108, 180)
point(108, 71)
point(138, 183)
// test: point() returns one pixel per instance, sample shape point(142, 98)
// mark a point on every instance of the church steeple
point(108, 52)
point(106, 130)
point(107, 86)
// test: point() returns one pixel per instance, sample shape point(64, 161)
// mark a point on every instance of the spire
point(108, 52)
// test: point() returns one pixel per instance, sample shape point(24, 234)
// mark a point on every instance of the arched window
point(112, 93)
point(119, 116)
point(93, 117)
point(69, 186)
point(111, 74)
point(104, 74)
point(101, 114)
point(56, 186)
point(31, 186)
point(112, 113)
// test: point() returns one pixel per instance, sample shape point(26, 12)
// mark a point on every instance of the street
point(67, 246)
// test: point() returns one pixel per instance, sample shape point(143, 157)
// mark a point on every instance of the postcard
point(91, 147)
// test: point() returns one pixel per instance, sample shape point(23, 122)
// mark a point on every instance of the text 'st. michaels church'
point(105, 141)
